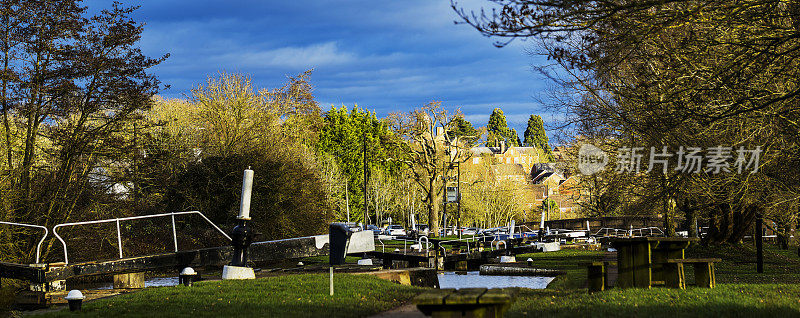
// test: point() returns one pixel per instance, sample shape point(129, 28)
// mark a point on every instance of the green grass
point(285, 296)
point(727, 300)
point(739, 263)
point(740, 291)
point(324, 259)
point(571, 261)
point(6, 298)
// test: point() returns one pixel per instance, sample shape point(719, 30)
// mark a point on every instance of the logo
point(591, 159)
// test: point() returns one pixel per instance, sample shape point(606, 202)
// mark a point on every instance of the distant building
point(510, 171)
point(524, 156)
point(537, 180)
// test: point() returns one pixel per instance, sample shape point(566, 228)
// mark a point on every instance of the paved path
point(408, 310)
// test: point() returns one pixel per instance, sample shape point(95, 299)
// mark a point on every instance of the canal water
point(446, 280)
point(475, 280)
point(148, 282)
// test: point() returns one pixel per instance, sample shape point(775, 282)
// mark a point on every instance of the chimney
point(439, 131)
point(502, 146)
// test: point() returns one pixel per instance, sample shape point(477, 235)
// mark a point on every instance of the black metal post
point(759, 246)
point(444, 205)
point(458, 197)
point(241, 238)
point(338, 233)
point(364, 138)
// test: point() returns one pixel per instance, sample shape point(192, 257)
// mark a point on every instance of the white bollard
point(247, 189)
point(75, 300)
point(331, 280)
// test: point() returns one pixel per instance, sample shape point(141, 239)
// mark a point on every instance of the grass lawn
point(740, 291)
point(571, 261)
point(284, 296)
point(6, 299)
point(726, 300)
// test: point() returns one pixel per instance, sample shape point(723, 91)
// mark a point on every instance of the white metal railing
point(119, 234)
point(427, 245)
point(406, 246)
point(472, 239)
point(38, 246)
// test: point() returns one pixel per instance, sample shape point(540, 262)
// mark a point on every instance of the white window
point(516, 159)
point(476, 160)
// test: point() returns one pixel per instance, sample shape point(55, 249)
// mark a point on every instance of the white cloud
point(315, 55)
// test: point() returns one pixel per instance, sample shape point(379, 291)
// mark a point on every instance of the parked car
point(375, 230)
point(422, 229)
point(395, 230)
point(354, 227)
point(469, 231)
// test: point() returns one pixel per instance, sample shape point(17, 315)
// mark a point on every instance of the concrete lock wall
point(616, 222)
point(422, 277)
point(130, 280)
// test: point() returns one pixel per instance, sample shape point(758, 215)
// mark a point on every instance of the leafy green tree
point(197, 148)
point(549, 206)
point(344, 135)
point(535, 136)
point(72, 82)
point(464, 130)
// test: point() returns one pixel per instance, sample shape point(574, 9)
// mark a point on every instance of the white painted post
point(331, 280)
point(119, 240)
point(174, 233)
point(247, 188)
point(541, 225)
point(347, 199)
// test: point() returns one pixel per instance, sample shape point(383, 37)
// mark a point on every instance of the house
point(510, 171)
point(525, 156)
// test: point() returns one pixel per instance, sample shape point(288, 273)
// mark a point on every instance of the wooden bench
point(466, 302)
point(598, 275)
point(674, 276)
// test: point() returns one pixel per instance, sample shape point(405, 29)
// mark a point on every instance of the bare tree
point(430, 153)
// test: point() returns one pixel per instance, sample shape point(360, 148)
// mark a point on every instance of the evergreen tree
point(497, 129)
point(342, 137)
point(464, 130)
point(513, 138)
point(535, 135)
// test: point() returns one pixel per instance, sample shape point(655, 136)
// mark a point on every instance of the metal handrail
point(38, 246)
point(119, 235)
point(427, 245)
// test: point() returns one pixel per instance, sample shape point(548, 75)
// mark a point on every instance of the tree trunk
point(433, 216)
point(742, 221)
point(720, 224)
point(433, 209)
point(689, 208)
point(669, 217)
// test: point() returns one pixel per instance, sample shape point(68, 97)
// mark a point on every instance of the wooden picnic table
point(640, 260)
point(465, 302)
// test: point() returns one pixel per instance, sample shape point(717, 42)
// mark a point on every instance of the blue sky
point(382, 55)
